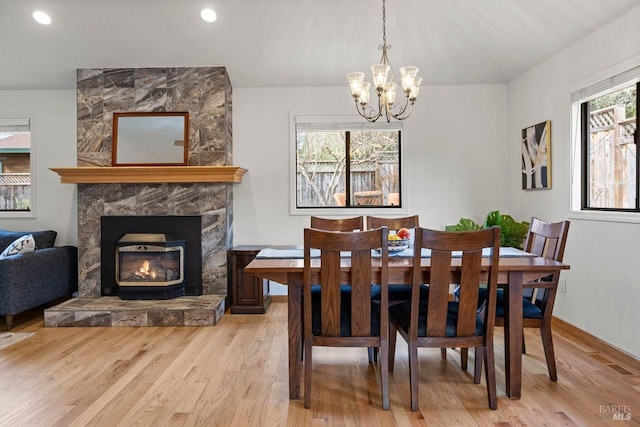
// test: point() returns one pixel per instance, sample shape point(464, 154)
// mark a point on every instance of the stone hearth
point(203, 310)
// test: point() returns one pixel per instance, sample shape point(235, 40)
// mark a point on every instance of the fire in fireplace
point(150, 266)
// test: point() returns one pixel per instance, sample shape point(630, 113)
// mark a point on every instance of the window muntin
point(609, 123)
point(15, 158)
point(347, 168)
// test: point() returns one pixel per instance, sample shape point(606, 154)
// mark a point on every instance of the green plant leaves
point(512, 232)
point(465, 224)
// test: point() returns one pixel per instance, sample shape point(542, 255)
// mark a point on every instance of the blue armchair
point(31, 279)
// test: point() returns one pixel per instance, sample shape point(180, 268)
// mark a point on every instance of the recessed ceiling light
point(208, 15)
point(41, 17)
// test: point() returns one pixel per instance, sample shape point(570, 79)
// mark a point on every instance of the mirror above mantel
point(150, 138)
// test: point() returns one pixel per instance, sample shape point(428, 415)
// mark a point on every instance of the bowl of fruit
point(398, 242)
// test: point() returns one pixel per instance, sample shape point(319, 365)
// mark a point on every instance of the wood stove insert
point(177, 227)
point(150, 266)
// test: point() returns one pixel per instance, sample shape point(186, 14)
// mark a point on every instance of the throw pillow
point(44, 238)
point(21, 245)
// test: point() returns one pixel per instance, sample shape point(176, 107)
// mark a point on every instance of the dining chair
point(393, 223)
point(340, 319)
point(341, 224)
point(438, 322)
point(547, 240)
point(397, 293)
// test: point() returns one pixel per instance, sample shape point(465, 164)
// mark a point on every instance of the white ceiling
point(267, 43)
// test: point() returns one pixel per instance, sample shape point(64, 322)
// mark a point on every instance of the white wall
point(54, 114)
point(453, 149)
point(603, 285)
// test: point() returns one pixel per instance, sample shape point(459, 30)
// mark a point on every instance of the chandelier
point(384, 86)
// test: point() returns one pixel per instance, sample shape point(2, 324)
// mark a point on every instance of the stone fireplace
point(205, 93)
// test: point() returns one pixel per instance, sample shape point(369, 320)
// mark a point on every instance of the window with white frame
point(342, 165)
point(16, 164)
point(607, 127)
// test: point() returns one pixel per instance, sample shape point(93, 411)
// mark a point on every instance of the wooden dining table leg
point(294, 299)
point(513, 335)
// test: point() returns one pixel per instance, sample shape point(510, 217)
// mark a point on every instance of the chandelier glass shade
point(384, 86)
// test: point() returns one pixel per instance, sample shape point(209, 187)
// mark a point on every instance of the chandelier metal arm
point(362, 110)
point(400, 115)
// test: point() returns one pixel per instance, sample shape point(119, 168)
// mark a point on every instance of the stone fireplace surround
point(205, 92)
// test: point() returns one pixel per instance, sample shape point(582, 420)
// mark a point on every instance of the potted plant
point(512, 232)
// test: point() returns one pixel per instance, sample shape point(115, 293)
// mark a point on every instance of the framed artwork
point(536, 156)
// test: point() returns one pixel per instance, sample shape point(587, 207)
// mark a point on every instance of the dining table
point(284, 264)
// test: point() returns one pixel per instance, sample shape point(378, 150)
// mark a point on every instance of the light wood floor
point(235, 374)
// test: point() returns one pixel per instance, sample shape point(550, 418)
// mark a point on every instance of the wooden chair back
point(467, 273)
point(345, 323)
point(342, 224)
point(332, 246)
point(547, 240)
point(393, 223)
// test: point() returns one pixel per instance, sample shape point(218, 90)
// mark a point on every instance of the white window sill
point(630, 217)
point(8, 214)
point(356, 210)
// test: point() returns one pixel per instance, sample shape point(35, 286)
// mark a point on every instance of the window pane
point(372, 170)
point(15, 170)
point(320, 163)
point(375, 167)
point(612, 174)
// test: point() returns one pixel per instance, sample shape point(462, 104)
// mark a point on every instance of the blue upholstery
point(35, 278)
point(345, 317)
point(529, 309)
point(399, 292)
point(402, 312)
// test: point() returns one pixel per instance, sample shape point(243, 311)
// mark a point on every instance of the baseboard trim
point(278, 299)
point(560, 325)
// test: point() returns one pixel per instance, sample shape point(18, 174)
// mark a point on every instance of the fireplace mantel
point(149, 174)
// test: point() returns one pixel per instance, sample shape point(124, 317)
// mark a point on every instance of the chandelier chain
point(384, 47)
point(384, 24)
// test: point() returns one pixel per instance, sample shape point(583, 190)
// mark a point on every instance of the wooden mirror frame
point(164, 158)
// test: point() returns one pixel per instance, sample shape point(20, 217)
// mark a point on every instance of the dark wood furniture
point(513, 272)
point(393, 223)
point(249, 294)
point(436, 322)
point(345, 319)
point(546, 240)
point(342, 224)
point(397, 293)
